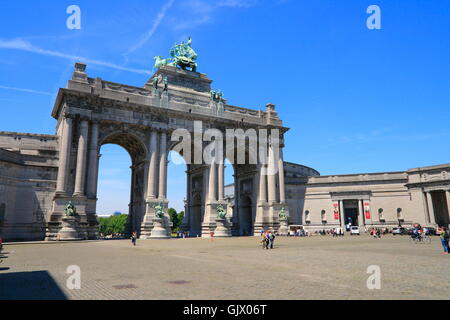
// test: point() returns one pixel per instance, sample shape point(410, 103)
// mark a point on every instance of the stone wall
point(28, 169)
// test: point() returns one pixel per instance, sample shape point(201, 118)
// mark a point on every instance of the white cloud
point(26, 90)
point(237, 3)
point(22, 45)
point(203, 11)
point(152, 30)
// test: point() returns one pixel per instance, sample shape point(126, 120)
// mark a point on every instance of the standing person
point(266, 240)
point(133, 238)
point(263, 239)
point(271, 239)
point(443, 235)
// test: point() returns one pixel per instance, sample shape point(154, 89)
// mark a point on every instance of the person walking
point(443, 235)
point(267, 239)
point(271, 239)
point(134, 238)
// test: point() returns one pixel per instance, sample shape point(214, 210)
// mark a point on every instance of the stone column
point(262, 194)
point(64, 156)
point(212, 189)
point(281, 179)
point(360, 213)
point(220, 181)
point(425, 206)
point(152, 170)
point(93, 162)
point(431, 208)
point(262, 199)
point(80, 177)
point(271, 177)
point(447, 194)
point(341, 213)
point(163, 167)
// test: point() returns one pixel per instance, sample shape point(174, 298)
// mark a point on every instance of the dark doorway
point(351, 216)
point(440, 207)
point(196, 222)
point(246, 217)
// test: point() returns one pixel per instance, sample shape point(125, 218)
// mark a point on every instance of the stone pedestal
point(283, 230)
point(69, 230)
point(158, 231)
point(222, 229)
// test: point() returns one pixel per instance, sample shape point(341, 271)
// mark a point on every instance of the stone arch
point(135, 145)
point(131, 142)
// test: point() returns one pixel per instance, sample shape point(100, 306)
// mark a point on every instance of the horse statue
point(160, 62)
point(182, 55)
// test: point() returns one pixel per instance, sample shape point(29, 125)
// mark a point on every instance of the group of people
point(298, 233)
point(337, 232)
point(375, 232)
point(267, 239)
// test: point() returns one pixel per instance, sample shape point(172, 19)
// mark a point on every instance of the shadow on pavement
point(36, 285)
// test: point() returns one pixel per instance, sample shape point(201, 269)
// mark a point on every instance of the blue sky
point(356, 100)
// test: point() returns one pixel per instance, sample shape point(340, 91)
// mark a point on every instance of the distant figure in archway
point(134, 238)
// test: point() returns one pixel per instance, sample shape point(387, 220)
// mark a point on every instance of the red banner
point(336, 211)
point(367, 210)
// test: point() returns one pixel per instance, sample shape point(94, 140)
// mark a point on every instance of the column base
point(70, 230)
point(283, 230)
point(210, 221)
point(56, 221)
point(148, 223)
point(222, 230)
point(158, 231)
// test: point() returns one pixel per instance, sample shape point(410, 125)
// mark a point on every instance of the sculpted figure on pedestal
point(70, 210)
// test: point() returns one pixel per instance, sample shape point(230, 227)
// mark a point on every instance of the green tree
point(176, 218)
point(112, 225)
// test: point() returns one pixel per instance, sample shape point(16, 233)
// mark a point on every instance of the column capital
point(68, 115)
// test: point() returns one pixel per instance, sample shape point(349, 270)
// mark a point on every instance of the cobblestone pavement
point(223, 269)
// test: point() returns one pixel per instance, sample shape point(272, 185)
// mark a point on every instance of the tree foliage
point(113, 225)
point(176, 218)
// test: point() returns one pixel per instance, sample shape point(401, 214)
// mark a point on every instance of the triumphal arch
point(149, 122)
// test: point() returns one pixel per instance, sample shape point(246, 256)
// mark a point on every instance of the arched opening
point(122, 179)
point(245, 216)
point(240, 192)
point(114, 181)
point(176, 188)
point(196, 216)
